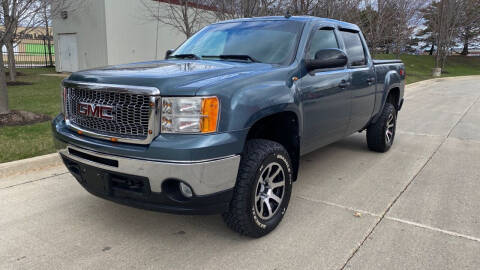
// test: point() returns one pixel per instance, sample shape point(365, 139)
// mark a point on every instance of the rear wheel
point(381, 134)
point(263, 189)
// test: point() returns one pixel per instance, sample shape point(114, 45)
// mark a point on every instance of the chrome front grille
point(130, 112)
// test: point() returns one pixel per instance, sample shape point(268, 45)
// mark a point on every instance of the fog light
point(186, 190)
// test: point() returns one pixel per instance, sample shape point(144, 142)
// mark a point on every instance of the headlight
point(189, 114)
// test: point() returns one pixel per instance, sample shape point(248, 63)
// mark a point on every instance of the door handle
point(370, 80)
point(343, 84)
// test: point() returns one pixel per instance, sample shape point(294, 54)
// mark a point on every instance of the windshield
point(272, 42)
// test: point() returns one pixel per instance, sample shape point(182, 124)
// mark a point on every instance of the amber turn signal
point(210, 108)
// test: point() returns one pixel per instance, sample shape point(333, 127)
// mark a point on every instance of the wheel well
point(282, 128)
point(394, 97)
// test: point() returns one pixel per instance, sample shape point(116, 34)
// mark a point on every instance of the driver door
point(325, 96)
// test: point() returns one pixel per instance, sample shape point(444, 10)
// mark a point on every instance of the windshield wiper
point(233, 57)
point(186, 55)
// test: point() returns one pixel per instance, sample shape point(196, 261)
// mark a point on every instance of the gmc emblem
point(95, 110)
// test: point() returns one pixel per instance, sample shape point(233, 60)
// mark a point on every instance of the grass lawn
point(43, 96)
point(419, 67)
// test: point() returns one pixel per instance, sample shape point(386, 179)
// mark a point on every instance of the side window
point(321, 39)
point(354, 47)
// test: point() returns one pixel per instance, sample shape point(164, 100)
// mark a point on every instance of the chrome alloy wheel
point(390, 130)
point(270, 191)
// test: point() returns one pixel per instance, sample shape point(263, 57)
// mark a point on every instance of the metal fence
point(32, 54)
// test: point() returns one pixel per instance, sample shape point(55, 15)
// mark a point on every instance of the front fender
point(253, 103)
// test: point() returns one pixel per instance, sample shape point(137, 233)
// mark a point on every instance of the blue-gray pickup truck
point(219, 126)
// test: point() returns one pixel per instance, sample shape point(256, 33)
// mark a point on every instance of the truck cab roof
point(339, 24)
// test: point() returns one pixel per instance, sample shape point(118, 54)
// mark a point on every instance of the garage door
point(67, 46)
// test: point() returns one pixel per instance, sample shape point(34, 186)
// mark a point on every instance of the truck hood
point(171, 77)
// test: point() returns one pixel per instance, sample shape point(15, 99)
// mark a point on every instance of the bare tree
point(344, 10)
point(425, 34)
point(12, 14)
point(46, 17)
point(53, 9)
point(225, 9)
point(186, 16)
point(469, 23)
point(303, 7)
point(407, 18)
point(388, 25)
point(376, 22)
point(17, 13)
point(337, 9)
point(232, 9)
point(445, 23)
point(3, 86)
point(3, 79)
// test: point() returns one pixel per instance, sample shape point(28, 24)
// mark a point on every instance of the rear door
point(324, 94)
point(362, 85)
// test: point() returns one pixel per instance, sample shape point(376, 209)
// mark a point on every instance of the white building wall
point(89, 26)
point(111, 32)
point(133, 36)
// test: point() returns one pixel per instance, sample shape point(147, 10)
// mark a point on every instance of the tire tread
point(238, 218)
point(376, 131)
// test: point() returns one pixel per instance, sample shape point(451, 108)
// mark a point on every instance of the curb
point(413, 87)
point(419, 83)
point(29, 165)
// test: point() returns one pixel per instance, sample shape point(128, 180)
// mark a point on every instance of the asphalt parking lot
point(415, 207)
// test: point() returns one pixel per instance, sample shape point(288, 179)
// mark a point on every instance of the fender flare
point(292, 140)
point(275, 109)
point(392, 81)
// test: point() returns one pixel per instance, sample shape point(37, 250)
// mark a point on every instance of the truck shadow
point(355, 143)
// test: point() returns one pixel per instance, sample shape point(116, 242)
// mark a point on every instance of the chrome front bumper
point(204, 177)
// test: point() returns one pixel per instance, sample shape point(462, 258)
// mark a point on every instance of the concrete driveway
point(415, 207)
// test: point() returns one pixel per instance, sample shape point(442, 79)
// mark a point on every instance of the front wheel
point(380, 135)
point(262, 191)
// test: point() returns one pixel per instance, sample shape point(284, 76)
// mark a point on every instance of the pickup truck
point(219, 126)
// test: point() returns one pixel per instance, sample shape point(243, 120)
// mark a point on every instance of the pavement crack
point(338, 205)
point(463, 115)
point(382, 216)
point(32, 181)
point(419, 134)
point(407, 222)
point(420, 225)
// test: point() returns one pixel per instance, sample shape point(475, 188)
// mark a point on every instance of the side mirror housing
point(168, 53)
point(327, 58)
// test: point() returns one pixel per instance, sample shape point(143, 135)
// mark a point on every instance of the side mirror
point(168, 53)
point(327, 58)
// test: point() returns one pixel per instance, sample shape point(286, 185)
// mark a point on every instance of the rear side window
point(354, 47)
point(321, 39)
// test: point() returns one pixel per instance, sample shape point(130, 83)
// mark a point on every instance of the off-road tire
point(242, 215)
point(377, 138)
